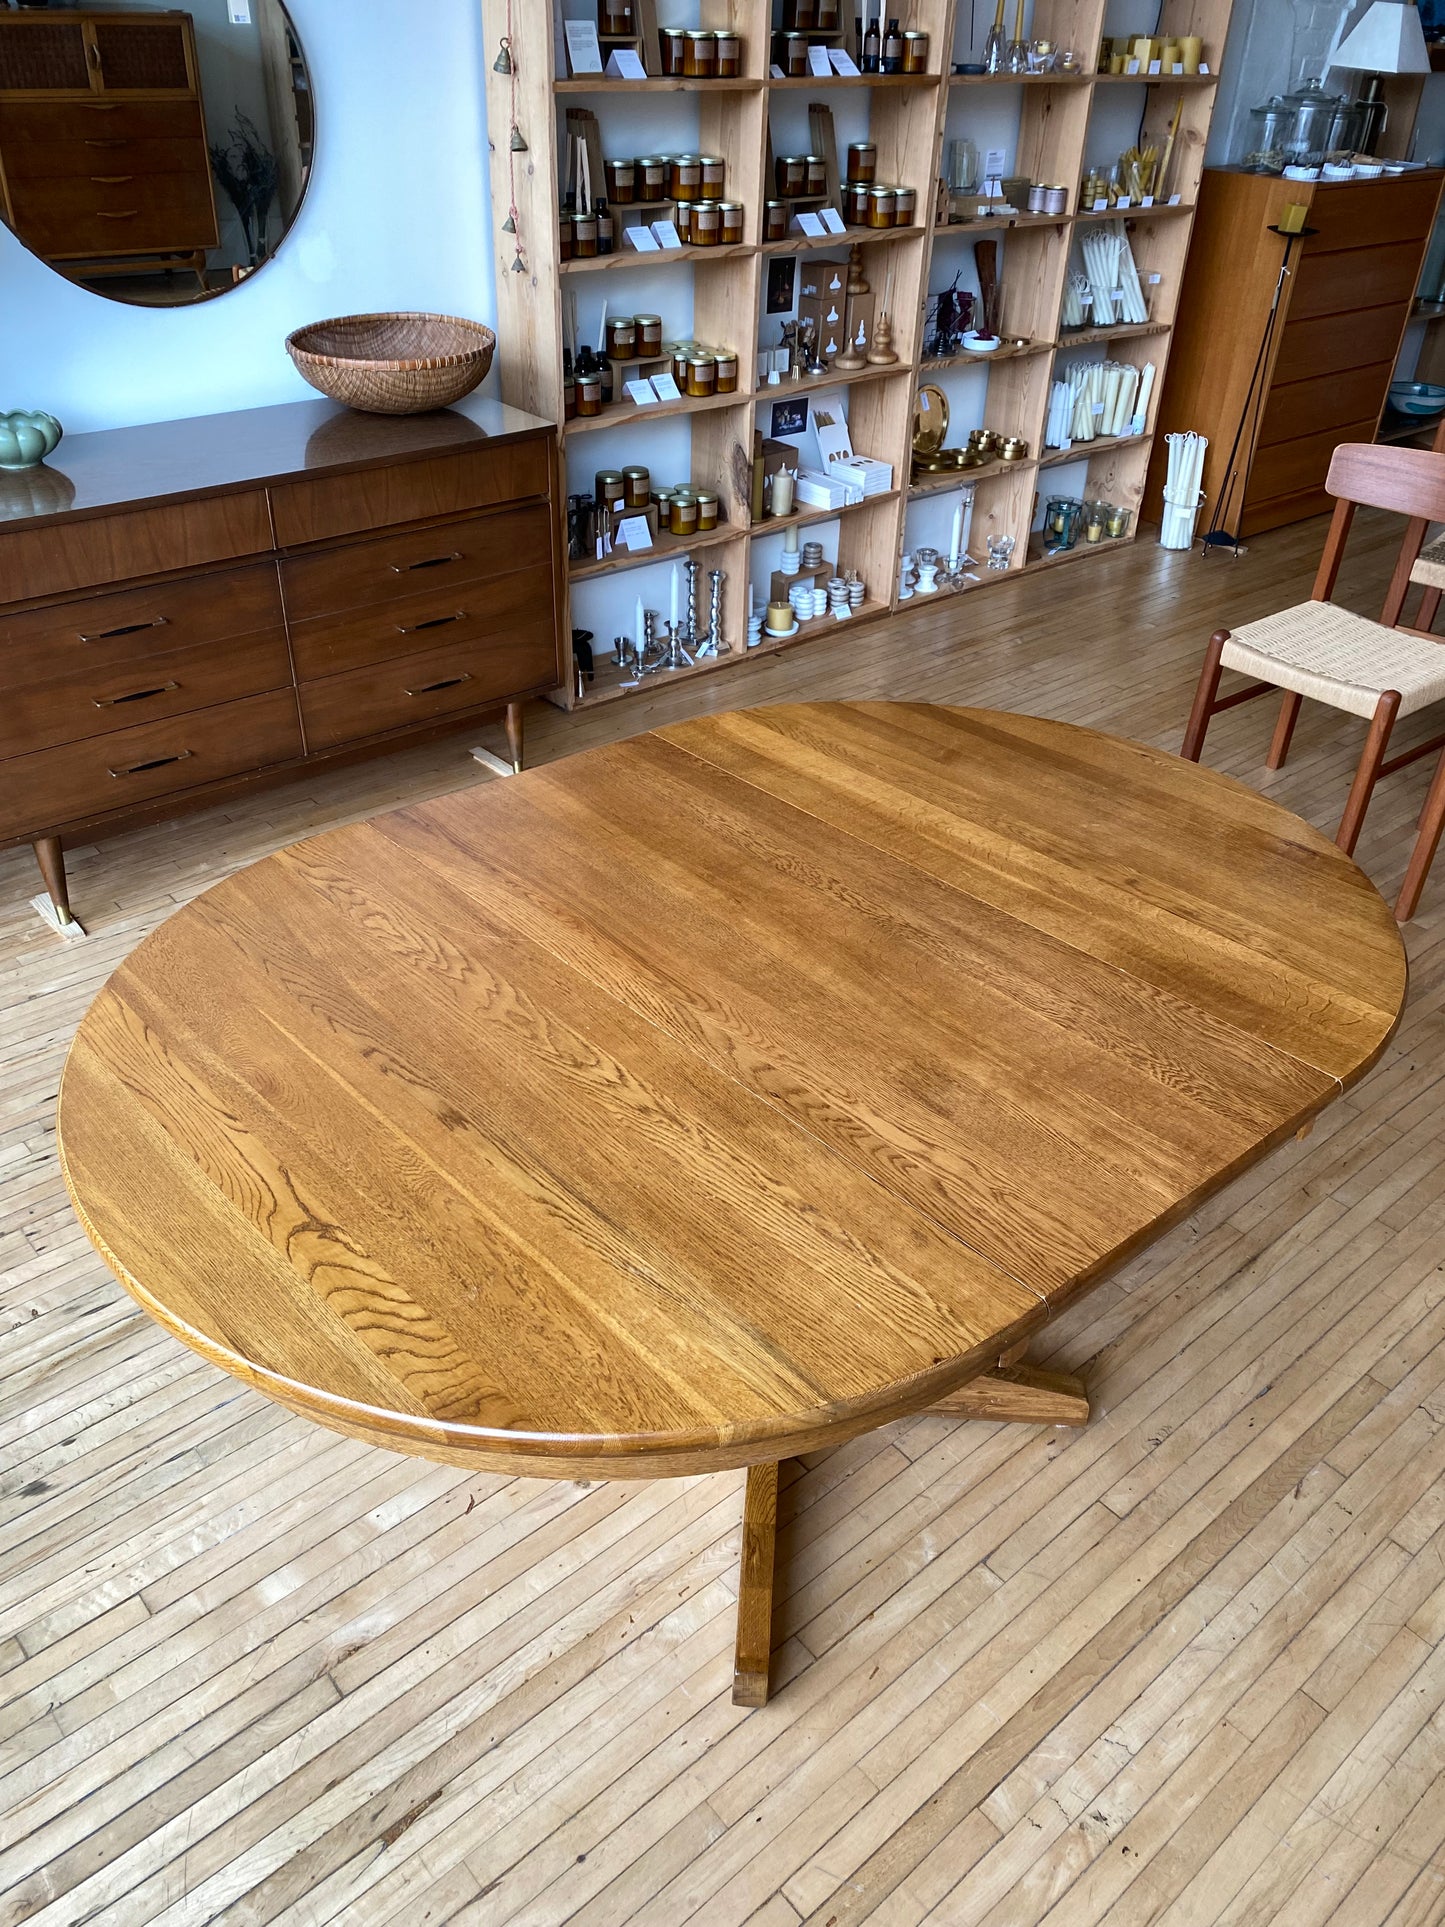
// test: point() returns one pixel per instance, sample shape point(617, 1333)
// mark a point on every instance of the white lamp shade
point(1389, 40)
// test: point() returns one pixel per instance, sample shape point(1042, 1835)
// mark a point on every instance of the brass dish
point(1015, 449)
point(930, 420)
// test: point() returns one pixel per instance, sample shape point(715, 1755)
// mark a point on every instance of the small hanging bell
point(509, 226)
point(503, 62)
point(519, 146)
point(519, 266)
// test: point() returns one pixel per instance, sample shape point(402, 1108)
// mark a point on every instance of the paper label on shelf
point(640, 238)
point(1102, 206)
point(843, 63)
point(1156, 66)
point(584, 51)
point(842, 615)
point(665, 388)
point(832, 220)
point(1125, 200)
point(1136, 425)
point(642, 392)
point(1154, 279)
point(1131, 65)
point(1177, 68)
point(810, 224)
point(819, 63)
point(1146, 200)
point(666, 235)
point(775, 72)
point(624, 64)
point(995, 161)
point(633, 533)
point(1202, 68)
point(1173, 200)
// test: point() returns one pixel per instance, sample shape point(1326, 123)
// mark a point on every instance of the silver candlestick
point(716, 644)
point(674, 656)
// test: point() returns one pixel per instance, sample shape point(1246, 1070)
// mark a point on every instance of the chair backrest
point(1408, 481)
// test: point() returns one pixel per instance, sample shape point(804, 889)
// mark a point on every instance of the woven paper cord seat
point(1430, 564)
point(1322, 651)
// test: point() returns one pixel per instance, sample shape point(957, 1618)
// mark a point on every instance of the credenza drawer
point(414, 689)
point(72, 707)
point(418, 491)
point(102, 154)
point(1328, 344)
point(84, 552)
point(1350, 279)
point(79, 638)
point(451, 613)
point(54, 787)
point(78, 122)
point(1361, 214)
point(116, 210)
point(400, 566)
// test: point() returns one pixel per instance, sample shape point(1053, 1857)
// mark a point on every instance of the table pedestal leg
point(755, 1587)
point(1025, 1393)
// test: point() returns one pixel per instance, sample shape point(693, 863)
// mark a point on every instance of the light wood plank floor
point(1183, 1667)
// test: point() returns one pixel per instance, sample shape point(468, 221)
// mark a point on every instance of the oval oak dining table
point(716, 1096)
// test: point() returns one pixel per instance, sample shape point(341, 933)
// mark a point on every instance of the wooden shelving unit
point(1056, 128)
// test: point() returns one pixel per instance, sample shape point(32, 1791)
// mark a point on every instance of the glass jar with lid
point(855, 203)
point(621, 182)
point(729, 54)
point(652, 177)
point(699, 54)
point(649, 334)
point(671, 41)
point(614, 19)
point(905, 206)
point(793, 55)
point(714, 176)
point(636, 487)
point(880, 207)
point(621, 337)
point(682, 513)
point(775, 220)
point(732, 223)
point(589, 392)
point(707, 510)
point(608, 487)
point(792, 176)
point(685, 177)
point(584, 236)
point(706, 225)
point(815, 175)
point(701, 375)
point(800, 16)
point(915, 52)
point(727, 371)
point(863, 161)
point(564, 235)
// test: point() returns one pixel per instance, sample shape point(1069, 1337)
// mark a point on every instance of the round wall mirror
point(153, 154)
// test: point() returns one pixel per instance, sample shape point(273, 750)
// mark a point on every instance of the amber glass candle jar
point(707, 509)
point(652, 177)
point(727, 372)
point(855, 203)
point(915, 52)
point(702, 375)
point(830, 16)
point(682, 220)
point(682, 513)
point(564, 236)
point(607, 486)
point(880, 207)
point(729, 55)
point(621, 337)
point(863, 161)
point(793, 54)
point(714, 176)
point(815, 175)
point(621, 182)
point(589, 394)
point(800, 16)
point(584, 236)
point(699, 54)
point(569, 398)
point(649, 333)
point(905, 206)
point(706, 224)
point(672, 41)
point(685, 177)
point(636, 487)
point(792, 176)
point(732, 223)
point(775, 220)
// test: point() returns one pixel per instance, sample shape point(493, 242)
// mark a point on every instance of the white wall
point(397, 216)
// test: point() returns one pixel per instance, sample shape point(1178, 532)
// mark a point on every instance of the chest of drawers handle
point(110, 180)
point(114, 140)
point(126, 629)
point(134, 696)
point(155, 762)
point(447, 682)
point(126, 214)
point(433, 562)
point(432, 622)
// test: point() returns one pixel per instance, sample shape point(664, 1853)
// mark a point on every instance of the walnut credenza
point(191, 608)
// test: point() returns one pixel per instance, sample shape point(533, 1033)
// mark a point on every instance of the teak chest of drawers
point(193, 607)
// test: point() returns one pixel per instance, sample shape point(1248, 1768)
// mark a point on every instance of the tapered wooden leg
point(1429, 608)
point(1283, 730)
point(1427, 841)
point(50, 855)
point(514, 735)
point(1204, 697)
point(755, 1587)
point(1367, 773)
point(1024, 1393)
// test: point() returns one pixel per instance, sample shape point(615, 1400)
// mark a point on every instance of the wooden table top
point(717, 1095)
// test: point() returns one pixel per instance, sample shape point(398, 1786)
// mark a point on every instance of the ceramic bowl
point(1423, 399)
point(27, 436)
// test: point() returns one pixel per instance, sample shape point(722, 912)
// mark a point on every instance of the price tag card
point(1146, 200)
point(665, 388)
point(1177, 68)
point(625, 64)
point(641, 392)
point(995, 162)
point(584, 52)
point(1125, 200)
point(811, 224)
point(633, 533)
point(1202, 68)
point(843, 63)
point(1131, 65)
point(775, 72)
point(640, 238)
point(1173, 200)
point(666, 235)
point(1102, 207)
point(832, 220)
point(844, 614)
point(819, 63)
point(1156, 67)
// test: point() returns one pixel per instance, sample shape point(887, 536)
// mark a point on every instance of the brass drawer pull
point(432, 622)
point(127, 214)
point(435, 562)
point(110, 180)
point(135, 695)
point(447, 682)
point(155, 762)
point(127, 629)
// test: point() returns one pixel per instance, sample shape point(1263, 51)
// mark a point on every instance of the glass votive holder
point(1000, 551)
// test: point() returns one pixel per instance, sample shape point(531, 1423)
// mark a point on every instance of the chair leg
point(1204, 697)
point(1367, 771)
point(1283, 730)
point(1429, 605)
point(1432, 822)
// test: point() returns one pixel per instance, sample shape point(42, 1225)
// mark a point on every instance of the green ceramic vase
point(26, 437)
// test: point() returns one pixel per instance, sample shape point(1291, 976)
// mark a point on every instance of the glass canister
point(671, 40)
point(855, 203)
point(653, 174)
point(564, 236)
point(729, 54)
point(793, 55)
point(1117, 520)
point(636, 487)
point(1095, 521)
point(1061, 522)
point(792, 176)
point(905, 205)
point(915, 52)
point(701, 375)
point(649, 334)
point(584, 236)
point(685, 177)
point(706, 228)
point(880, 207)
point(815, 175)
point(699, 54)
point(727, 371)
point(707, 510)
point(608, 487)
point(682, 513)
point(621, 182)
point(775, 220)
point(589, 392)
point(569, 398)
point(621, 337)
point(732, 223)
point(714, 176)
point(862, 162)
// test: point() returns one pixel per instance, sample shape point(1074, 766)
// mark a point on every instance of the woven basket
point(393, 364)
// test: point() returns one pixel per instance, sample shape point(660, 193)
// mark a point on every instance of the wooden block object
point(1023, 1393)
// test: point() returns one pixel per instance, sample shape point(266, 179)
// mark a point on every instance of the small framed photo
point(782, 283)
point(789, 418)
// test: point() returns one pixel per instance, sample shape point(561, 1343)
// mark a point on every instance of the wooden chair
point(1376, 670)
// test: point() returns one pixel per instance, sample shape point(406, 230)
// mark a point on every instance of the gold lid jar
point(621, 337)
point(699, 54)
point(855, 203)
point(652, 177)
point(729, 54)
point(775, 221)
point(671, 41)
point(815, 175)
point(649, 333)
point(727, 371)
point(636, 487)
point(608, 486)
point(584, 236)
point(589, 393)
point(621, 182)
point(564, 236)
point(791, 171)
point(614, 19)
point(793, 55)
point(706, 230)
point(714, 176)
point(800, 16)
point(707, 510)
point(880, 206)
point(915, 52)
point(685, 177)
point(682, 220)
point(905, 206)
point(732, 223)
point(701, 375)
point(682, 513)
point(862, 161)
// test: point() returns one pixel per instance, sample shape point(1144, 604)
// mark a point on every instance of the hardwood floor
point(1184, 1666)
